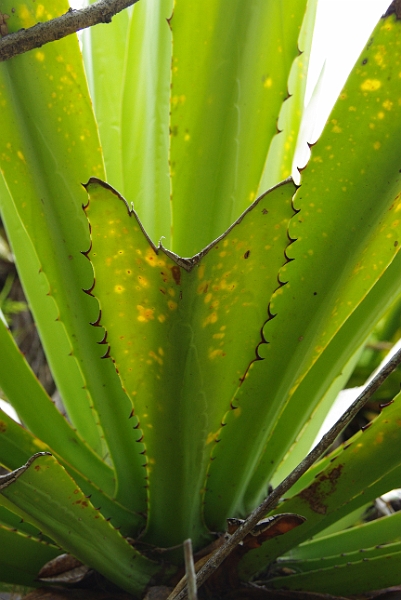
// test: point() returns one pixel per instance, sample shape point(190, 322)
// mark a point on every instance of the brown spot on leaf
point(176, 272)
point(3, 427)
point(317, 493)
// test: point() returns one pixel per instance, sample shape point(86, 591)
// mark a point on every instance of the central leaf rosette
point(183, 334)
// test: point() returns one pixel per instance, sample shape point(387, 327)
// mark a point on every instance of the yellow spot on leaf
point(212, 318)
point(207, 299)
point(201, 271)
point(172, 305)
point(145, 314)
point(143, 281)
point(40, 56)
point(40, 11)
point(155, 357)
point(371, 85)
point(268, 82)
point(21, 156)
point(387, 104)
point(161, 318)
point(376, 145)
point(27, 18)
point(152, 259)
point(119, 289)
point(215, 353)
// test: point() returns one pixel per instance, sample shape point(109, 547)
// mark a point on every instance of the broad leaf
point(347, 232)
point(182, 334)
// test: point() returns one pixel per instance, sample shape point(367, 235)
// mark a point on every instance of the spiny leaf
point(43, 493)
point(353, 573)
point(347, 233)
point(49, 145)
point(37, 410)
point(328, 497)
point(22, 556)
point(182, 333)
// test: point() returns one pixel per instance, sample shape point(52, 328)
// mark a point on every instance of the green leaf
point(352, 573)
point(130, 83)
point(45, 152)
point(182, 334)
point(17, 445)
point(380, 531)
point(50, 145)
point(43, 493)
point(347, 233)
point(331, 369)
point(23, 556)
point(37, 411)
point(328, 497)
point(224, 107)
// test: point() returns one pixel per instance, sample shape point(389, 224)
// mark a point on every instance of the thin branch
point(190, 570)
point(273, 499)
point(72, 21)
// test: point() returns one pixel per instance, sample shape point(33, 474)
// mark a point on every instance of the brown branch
point(273, 499)
point(72, 21)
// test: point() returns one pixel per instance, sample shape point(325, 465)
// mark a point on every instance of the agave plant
point(225, 306)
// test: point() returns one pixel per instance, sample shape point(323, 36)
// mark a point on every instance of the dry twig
point(72, 21)
point(273, 499)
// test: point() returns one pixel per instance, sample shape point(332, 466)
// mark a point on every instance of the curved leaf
point(328, 497)
point(353, 573)
point(17, 445)
point(43, 493)
point(23, 556)
point(50, 145)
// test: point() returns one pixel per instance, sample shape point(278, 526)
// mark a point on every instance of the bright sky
point(342, 29)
